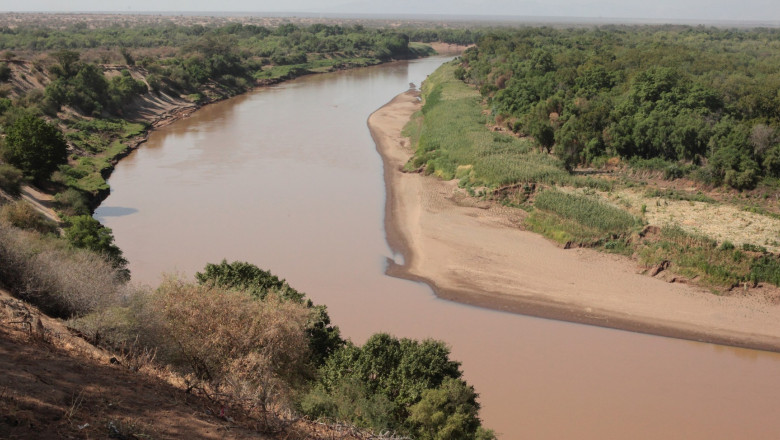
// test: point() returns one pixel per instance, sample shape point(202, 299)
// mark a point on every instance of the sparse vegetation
point(62, 281)
point(324, 338)
point(696, 256)
point(672, 194)
point(22, 215)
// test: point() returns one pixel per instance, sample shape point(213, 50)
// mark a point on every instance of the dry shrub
point(81, 281)
point(23, 216)
point(63, 282)
point(253, 352)
point(10, 177)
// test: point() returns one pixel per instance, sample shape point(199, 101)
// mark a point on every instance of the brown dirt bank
point(475, 253)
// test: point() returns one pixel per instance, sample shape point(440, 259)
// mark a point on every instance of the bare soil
point(56, 385)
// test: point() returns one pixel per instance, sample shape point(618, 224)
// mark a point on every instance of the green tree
point(87, 233)
point(350, 400)
point(568, 144)
point(68, 61)
point(399, 370)
point(732, 159)
point(5, 72)
point(34, 146)
point(448, 412)
point(240, 275)
point(544, 134)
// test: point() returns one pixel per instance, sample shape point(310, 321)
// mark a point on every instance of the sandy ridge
point(478, 255)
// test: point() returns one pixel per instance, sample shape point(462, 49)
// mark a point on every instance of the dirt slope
point(55, 385)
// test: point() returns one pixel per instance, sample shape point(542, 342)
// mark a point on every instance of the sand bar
point(476, 253)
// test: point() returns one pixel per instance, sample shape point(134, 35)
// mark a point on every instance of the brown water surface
point(288, 178)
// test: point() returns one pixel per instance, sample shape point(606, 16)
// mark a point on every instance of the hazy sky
point(760, 10)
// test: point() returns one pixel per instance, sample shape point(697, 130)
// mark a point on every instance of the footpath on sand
point(474, 252)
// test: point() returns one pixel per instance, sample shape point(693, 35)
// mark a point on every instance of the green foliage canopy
point(87, 233)
point(669, 92)
point(413, 383)
point(34, 146)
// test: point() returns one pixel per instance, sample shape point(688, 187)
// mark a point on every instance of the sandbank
point(477, 253)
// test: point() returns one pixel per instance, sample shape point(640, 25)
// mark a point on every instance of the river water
point(288, 178)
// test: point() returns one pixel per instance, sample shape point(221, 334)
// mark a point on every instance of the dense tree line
point(702, 100)
point(462, 36)
point(85, 87)
point(246, 41)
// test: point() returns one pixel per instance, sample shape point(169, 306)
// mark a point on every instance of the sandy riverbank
point(477, 254)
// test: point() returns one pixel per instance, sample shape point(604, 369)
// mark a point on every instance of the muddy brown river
point(288, 178)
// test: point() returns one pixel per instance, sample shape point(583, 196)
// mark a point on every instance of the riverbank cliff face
point(476, 253)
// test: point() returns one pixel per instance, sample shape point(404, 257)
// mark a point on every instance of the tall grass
point(451, 133)
point(587, 211)
point(566, 218)
point(697, 256)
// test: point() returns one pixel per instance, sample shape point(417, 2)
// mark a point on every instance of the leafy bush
point(85, 232)
point(753, 248)
point(72, 202)
point(247, 277)
point(10, 179)
point(448, 412)
point(82, 86)
point(34, 146)
point(766, 268)
point(386, 385)
point(350, 400)
point(122, 89)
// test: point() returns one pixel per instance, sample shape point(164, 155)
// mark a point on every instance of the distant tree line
point(196, 62)
point(697, 101)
